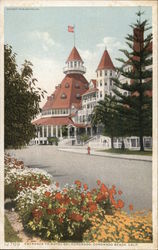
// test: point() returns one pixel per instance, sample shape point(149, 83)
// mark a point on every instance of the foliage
point(105, 113)
point(19, 178)
point(10, 234)
point(53, 140)
point(72, 213)
point(22, 99)
point(84, 137)
point(121, 227)
point(136, 107)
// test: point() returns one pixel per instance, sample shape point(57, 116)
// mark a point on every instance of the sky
point(40, 35)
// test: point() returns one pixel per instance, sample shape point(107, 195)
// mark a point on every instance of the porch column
point(86, 130)
point(61, 135)
point(91, 131)
point(75, 130)
point(68, 132)
point(56, 131)
point(47, 132)
point(38, 137)
point(52, 132)
point(43, 133)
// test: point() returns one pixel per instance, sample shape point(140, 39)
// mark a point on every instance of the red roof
point(74, 55)
point(54, 121)
point(90, 91)
point(94, 82)
point(105, 62)
point(72, 86)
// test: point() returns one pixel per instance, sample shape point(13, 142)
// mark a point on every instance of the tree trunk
point(141, 143)
point(112, 142)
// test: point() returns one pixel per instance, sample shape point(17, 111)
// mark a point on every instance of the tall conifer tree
point(136, 107)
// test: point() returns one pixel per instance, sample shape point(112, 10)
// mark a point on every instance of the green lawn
point(10, 234)
point(127, 151)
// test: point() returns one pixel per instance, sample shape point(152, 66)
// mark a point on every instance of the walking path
point(79, 150)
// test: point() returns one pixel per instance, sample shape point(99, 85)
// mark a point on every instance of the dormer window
point(78, 96)
point(75, 64)
point(66, 85)
point(63, 96)
point(77, 86)
point(100, 72)
point(71, 65)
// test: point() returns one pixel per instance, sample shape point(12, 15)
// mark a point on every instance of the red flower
point(92, 207)
point(82, 196)
point(47, 194)
point(49, 211)
point(85, 187)
point(76, 217)
point(130, 207)
point(37, 213)
point(58, 196)
point(60, 210)
point(61, 220)
point(78, 183)
point(98, 182)
point(119, 192)
point(57, 184)
point(44, 204)
point(89, 196)
point(103, 189)
point(74, 201)
point(100, 197)
point(120, 204)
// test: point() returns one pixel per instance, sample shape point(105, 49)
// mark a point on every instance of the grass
point(127, 151)
point(10, 234)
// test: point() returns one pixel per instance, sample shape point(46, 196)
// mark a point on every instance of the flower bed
point(73, 213)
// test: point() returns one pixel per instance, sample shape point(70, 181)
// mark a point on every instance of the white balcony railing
point(74, 69)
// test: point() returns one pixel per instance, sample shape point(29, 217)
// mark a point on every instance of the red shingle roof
point(74, 55)
point(53, 121)
point(72, 86)
point(90, 91)
point(105, 62)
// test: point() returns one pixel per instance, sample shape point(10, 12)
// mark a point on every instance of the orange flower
point(58, 196)
point(85, 187)
point(98, 182)
point(89, 195)
point(47, 194)
point(130, 207)
point(119, 192)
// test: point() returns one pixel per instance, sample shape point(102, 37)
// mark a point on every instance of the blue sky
point(41, 36)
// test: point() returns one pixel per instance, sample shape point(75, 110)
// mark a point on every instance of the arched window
point(66, 85)
point(78, 96)
point(63, 96)
point(77, 86)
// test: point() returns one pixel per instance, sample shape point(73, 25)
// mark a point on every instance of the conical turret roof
point(105, 62)
point(74, 55)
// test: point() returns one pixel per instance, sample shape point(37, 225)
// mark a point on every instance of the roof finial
point(105, 47)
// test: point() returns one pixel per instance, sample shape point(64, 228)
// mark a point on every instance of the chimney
point(138, 39)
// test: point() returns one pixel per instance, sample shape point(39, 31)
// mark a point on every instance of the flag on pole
point(70, 28)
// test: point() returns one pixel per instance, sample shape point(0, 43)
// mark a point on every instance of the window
point(77, 86)
point(63, 96)
point(71, 65)
point(66, 85)
point(105, 83)
point(110, 72)
point(75, 64)
point(87, 106)
point(78, 96)
point(97, 73)
point(100, 82)
point(100, 72)
point(105, 72)
point(100, 93)
point(111, 83)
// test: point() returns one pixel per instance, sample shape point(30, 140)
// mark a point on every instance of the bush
point(53, 140)
point(64, 214)
point(121, 227)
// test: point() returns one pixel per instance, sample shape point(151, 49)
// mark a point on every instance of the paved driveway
point(134, 178)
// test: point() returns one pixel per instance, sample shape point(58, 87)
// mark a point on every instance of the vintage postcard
point(78, 124)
